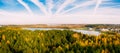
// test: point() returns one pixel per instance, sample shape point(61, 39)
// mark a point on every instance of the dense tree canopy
point(17, 40)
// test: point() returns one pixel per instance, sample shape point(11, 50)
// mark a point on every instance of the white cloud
point(61, 7)
point(26, 6)
point(104, 15)
point(41, 6)
point(80, 5)
point(60, 19)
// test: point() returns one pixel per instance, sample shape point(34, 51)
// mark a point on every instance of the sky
point(59, 11)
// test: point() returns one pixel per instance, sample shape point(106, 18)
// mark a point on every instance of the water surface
point(76, 30)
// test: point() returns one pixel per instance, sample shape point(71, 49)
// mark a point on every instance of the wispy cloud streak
point(64, 5)
point(50, 5)
point(98, 2)
point(26, 6)
point(41, 6)
point(78, 6)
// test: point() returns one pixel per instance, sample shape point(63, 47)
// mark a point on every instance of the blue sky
point(56, 8)
point(14, 5)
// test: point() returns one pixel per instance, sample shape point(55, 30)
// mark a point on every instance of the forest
point(18, 40)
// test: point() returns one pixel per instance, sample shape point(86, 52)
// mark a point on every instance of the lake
point(76, 30)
